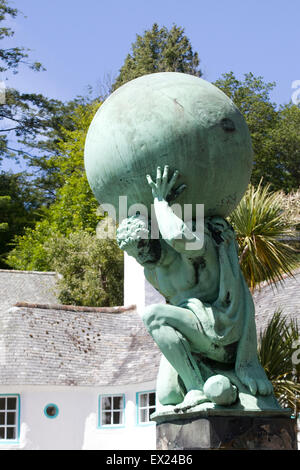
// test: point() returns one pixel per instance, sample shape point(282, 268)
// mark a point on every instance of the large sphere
point(170, 119)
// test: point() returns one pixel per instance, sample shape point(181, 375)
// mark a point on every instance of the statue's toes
point(192, 398)
point(252, 385)
point(264, 387)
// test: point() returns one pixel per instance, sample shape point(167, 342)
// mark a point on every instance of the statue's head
point(133, 236)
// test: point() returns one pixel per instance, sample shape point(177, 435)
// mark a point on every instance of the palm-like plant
point(276, 352)
point(260, 225)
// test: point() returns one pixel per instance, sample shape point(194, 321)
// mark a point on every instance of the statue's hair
point(131, 230)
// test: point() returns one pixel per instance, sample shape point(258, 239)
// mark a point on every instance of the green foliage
point(275, 351)
point(284, 147)
point(42, 147)
point(34, 127)
point(260, 225)
point(75, 207)
point(29, 252)
point(274, 132)
point(4, 203)
point(159, 50)
point(91, 269)
point(19, 201)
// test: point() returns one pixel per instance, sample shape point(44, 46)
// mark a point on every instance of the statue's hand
point(163, 189)
point(254, 377)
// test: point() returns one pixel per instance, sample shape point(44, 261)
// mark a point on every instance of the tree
point(91, 269)
point(11, 58)
point(159, 50)
point(31, 123)
point(276, 351)
point(284, 146)
point(273, 130)
point(252, 97)
point(40, 145)
point(260, 224)
point(74, 208)
point(34, 128)
point(4, 202)
point(19, 203)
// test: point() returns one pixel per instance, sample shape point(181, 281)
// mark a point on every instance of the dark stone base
point(228, 432)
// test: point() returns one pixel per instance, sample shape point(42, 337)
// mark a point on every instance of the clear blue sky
point(80, 42)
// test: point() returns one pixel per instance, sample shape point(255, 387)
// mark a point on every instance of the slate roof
point(285, 297)
point(42, 346)
point(61, 345)
point(26, 286)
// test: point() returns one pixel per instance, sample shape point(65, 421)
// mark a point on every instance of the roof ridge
point(53, 273)
point(285, 276)
point(76, 308)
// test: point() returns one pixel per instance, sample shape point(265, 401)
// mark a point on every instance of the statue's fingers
point(173, 179)
point(166, 173)
point(164, 183)
point(173, 194)
point(150, 182)
point(179, 190)
point(158, 175)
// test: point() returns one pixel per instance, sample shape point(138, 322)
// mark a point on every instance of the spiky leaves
point(261, 229)
point(276, 353)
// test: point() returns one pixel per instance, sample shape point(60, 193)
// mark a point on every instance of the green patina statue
point(206, 331)
point(162, 123)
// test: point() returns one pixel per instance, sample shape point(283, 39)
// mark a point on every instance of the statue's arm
point(173, 230)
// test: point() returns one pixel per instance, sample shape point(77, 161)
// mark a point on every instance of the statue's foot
point(220, 390)
point(191, 399)
point(254, 378)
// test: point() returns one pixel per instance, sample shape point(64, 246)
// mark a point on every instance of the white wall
point(134, 283)
point(76, 426)
point(137, 290)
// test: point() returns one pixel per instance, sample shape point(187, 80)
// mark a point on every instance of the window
point(112, 410)
point(9, 417)
point(146, 406)
point(51, 410)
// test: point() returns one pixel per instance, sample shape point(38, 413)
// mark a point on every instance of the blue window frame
point(145, 404)
point(112, 410)
point(9, 418)
point(51, 410)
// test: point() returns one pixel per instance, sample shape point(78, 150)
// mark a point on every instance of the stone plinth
point(240, 432)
